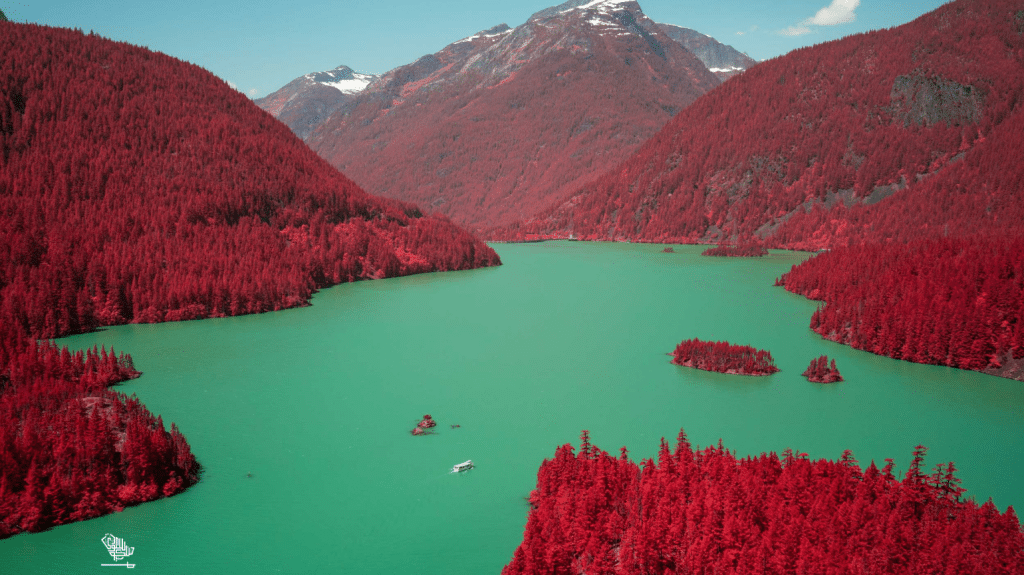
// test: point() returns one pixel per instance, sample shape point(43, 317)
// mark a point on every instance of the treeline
point(71, 449)
point(957, 302)
point(704, 511)
point(781, 150)
point(137, 188)
point(723, 357)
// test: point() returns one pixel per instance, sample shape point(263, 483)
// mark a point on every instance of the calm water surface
point(317, 404)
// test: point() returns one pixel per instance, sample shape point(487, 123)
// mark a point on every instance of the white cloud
point(253, 92)
point(742, 32)
point(233, 85)
point(838, 12)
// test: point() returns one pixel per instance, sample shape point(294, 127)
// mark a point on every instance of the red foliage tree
point(71, 449)
point(703, 511)
point(820, 371)
point(723, 357)
point(890, 135)
point(136, 188)
point(950, 301)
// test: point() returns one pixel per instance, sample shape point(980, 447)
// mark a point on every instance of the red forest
point(890, 134)
point(723, 357)
point(71, 449)
point(957, 302)
point(704, 511)
point(879, 140)
point(820, 371)
point(136, 188)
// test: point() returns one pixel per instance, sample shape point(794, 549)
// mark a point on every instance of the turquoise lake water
point(317, 404)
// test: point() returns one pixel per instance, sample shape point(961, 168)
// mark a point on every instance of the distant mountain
point(496, 125)
point(306, 102)
point(724, 61)
point(894, 134)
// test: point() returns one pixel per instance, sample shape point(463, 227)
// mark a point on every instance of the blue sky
point(260, 46)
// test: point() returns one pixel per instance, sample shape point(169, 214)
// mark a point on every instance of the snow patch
point(357, 84)
point(600, 22)
point(602, 6)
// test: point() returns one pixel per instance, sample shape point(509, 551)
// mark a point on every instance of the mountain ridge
point(878, 120)
point(502, 121)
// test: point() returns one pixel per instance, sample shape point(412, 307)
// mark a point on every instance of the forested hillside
point(944, 301)
point(889, 134)
point(870, 142)
point(137, 188)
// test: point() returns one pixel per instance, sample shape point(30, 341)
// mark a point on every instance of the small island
point(820, 371)
point(723, 357)
point(426, 423)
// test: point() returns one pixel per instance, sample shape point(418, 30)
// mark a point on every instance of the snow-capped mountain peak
point(587, 8)
point(601, 6)
point(342, 78)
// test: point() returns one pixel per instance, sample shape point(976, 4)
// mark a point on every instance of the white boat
point(464, 466)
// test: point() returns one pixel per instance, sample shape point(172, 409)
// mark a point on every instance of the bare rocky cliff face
point(722, 60)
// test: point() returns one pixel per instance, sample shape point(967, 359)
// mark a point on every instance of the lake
point(317, 403)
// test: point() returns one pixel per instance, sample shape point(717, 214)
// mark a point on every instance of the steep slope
point(890, 134)
point(725, 61)
point(137, 188)
point(492, 127)
point(306, 102)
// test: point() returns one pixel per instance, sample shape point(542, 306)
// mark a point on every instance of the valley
point(291, 281)
point(316, 404)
